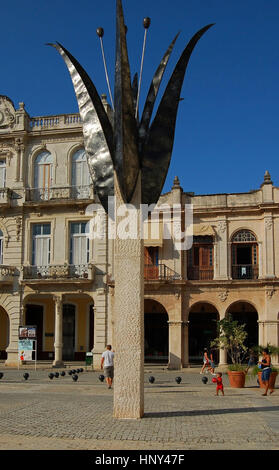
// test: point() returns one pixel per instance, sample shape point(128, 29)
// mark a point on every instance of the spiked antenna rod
point(146, 24)
point(100, 33)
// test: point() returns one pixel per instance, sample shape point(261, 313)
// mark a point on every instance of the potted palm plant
point(231, 336)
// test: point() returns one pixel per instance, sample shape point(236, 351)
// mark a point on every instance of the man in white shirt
point(108, 365)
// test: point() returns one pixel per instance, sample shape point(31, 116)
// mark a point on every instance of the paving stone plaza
point(60, 414)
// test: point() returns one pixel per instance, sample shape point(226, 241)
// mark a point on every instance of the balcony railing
point(195, 273)
point(159, 272)
point(245, 271)
point(65, 192)
point(7, 273)
point(59, 272)
point(61, 121)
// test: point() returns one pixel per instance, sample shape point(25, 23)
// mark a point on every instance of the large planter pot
point(236, 378)
point(272, 379)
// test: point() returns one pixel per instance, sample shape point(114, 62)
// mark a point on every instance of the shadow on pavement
point(170, 414)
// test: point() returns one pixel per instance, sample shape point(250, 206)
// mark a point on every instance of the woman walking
point(206, 362)
point(266, 371)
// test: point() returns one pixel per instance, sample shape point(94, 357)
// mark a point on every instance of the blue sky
point(227, 127)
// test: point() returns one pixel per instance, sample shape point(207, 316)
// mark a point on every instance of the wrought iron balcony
point(60, 193)
point(195, 273)
point(245, 271)
point(159, 272)
point(64, 272)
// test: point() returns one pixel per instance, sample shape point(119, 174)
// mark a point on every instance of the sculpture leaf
point(158, 146)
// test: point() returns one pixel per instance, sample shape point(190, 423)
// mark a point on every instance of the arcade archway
point(245, 313)
point(203, 319)
point(4, 333)
point(156, 332)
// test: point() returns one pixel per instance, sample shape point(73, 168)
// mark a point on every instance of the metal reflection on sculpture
point(130, 145)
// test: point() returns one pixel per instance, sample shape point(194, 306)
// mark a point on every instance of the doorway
point(34, 316)
point(69, 321)
point(156, 332)
point(202, 330)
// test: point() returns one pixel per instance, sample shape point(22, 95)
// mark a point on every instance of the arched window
point(244, 255)
point(80, 175)
point(43, 175)
point(244, 236)
point(1, 246)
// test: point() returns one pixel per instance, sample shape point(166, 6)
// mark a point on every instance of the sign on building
point(27, 345)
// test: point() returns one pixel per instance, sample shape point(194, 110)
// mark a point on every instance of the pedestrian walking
point(265, 364)
point(219, 383)
point(212, 363)
point(206, 362)
point(107, 364)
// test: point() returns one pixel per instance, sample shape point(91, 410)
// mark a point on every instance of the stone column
point(269, 246)
point(261, 332)
point(185, 339)
point(222, 352)
point(19, 147)
point(23, 314)
point(100, 327)
point(129, 315)
point(260, 261)
point(58, 338)
point(271, 334)
point(175, 337)
point(221, 248)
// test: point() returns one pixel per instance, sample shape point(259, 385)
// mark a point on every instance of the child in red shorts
point(219, 383)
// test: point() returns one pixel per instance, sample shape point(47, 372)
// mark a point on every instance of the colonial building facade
point(54, 276)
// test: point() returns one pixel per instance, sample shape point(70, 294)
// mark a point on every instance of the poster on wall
point(27, 344)
point(25, 349)
point(27, 332)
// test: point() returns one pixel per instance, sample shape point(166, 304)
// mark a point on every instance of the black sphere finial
point(100, 32)
point(146, 22)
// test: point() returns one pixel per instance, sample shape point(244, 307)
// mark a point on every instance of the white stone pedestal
point(129, 319)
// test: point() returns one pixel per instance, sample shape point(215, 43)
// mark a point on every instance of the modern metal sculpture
point(129, 159)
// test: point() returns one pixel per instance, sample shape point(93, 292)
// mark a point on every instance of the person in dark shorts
point(206, 362)
point(212, 363)
point(266, 370)
point(107, 363)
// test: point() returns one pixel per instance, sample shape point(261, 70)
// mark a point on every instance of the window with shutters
point(43, 175)
point(41, 244)
point(80, 175)
point(200, 259)
point(2, 173)
point(151, 262)
point(79, 243)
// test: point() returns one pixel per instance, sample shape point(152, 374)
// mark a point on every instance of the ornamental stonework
point(7, 113)
point(222, 225)
point(223, 295)
point(268, 223)
point(269, 293)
